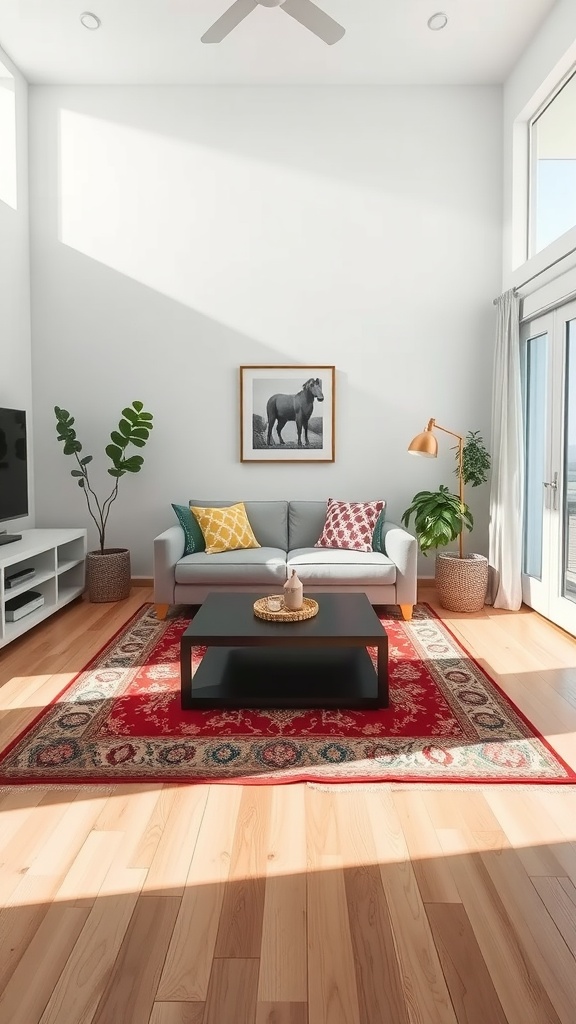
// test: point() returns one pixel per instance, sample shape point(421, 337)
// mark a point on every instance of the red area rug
point(120, 720)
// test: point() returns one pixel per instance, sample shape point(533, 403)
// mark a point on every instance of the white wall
point(15, 349)
point(178, 233)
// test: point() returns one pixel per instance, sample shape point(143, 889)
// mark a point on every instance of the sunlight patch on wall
point(254, 245)
point(8, 186)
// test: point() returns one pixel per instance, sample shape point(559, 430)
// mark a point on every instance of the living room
point(169, 213)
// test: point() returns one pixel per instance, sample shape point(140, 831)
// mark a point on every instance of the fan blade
point(313, 18)
point(232, 17)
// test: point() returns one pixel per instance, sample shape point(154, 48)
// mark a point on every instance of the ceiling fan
point(304, 11)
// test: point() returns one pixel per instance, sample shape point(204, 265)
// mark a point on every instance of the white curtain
point(507, 482)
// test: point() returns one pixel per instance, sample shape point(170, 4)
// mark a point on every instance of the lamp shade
point(424, 443)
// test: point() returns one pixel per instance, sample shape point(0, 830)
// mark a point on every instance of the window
point(553, 168)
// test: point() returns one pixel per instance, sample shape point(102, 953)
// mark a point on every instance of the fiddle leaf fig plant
point(133, 429)
point(440, 516)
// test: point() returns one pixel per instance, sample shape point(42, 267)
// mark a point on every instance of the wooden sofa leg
point(162, 611)
point(406, 610)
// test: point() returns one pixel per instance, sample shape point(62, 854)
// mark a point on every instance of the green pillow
point(194, 537)
point(377, 538)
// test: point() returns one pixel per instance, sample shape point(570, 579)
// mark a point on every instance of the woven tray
point(308, 611)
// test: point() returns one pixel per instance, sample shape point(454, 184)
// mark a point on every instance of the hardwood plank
point(31, 899)
point(424, 985)
point(232, 991)
point(28, 841)
point(378, 980)
point(559, 897)
point(129, 809)
point(23, 1002)
point(189, 959)
point(77, 993)
point(432, 872)
point(177, 1013)
point(283, 980)
point(241, 916)
point(282, 1013)
point(177, 838)
point(521, 992)
point(472, 992)
point(538, 934)
point(129, 994)
point(332, 993)
point(16, 807)
point(552, 854)
point(86, 875)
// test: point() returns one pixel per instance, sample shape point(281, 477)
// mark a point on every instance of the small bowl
point(274, 604)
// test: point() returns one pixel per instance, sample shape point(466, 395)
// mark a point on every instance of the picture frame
point(287, 413)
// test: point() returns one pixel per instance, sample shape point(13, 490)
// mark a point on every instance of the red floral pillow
point(350, 524)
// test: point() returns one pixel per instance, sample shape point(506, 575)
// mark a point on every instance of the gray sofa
point(287, 531)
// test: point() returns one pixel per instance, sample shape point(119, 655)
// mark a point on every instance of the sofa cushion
point(193, 536)
point(350, 524)
point(378, 543)
point(265, 566)
point(324, 566)
point(268, 519)
point(225, 529)
point(305, 522)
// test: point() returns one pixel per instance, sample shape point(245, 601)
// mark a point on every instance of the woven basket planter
point(461, 583)
point(108, 575)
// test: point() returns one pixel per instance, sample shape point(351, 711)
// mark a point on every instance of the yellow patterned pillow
point(225, 529)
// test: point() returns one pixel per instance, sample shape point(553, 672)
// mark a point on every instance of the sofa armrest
point(402, 549)
point(168, 549)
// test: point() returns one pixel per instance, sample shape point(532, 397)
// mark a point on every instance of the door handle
point(553, 485)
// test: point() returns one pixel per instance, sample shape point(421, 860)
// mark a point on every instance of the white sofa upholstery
point(287, 531)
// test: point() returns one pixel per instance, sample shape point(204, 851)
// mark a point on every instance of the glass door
point(548, 347)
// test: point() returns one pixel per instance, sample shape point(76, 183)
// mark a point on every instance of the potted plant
point(108, 569)
point(440, 517)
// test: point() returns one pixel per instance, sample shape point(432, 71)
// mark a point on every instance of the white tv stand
point(59, 560)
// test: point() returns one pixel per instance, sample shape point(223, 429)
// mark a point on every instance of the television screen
point(13, 464)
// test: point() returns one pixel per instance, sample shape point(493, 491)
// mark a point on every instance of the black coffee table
point(253, 663)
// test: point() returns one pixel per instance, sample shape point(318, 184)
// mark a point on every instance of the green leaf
point(86, 460)
point(76, 472)
point(137, 442)
point(138, 406)
point(69, 448)
point(124, 428)
point(114, 453)
point(119, 439)
point(146, 416)
point(129, 414)
point(141, 432)
point(81, 482)
point(133, 464)
point(116, 472)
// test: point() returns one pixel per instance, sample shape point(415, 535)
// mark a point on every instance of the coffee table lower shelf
point(281, 677)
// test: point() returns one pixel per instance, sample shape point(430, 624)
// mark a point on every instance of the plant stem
point(104, 509)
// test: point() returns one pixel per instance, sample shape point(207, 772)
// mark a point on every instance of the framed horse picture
point(287, 413)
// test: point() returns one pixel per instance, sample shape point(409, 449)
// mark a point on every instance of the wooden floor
point(150, 904)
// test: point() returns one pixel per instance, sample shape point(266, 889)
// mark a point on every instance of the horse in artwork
point(298, 407)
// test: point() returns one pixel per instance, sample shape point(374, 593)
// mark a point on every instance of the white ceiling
point(158, 42)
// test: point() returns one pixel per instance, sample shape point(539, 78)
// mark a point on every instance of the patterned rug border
point(308, 775)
